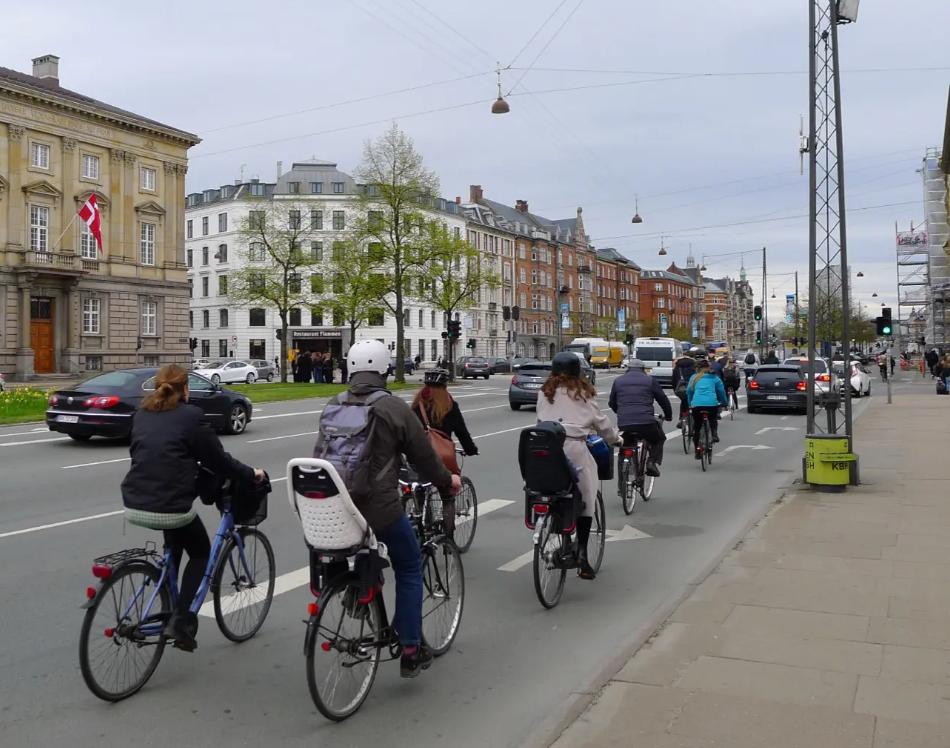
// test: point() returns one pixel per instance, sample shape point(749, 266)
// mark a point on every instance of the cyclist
point(169, 439)
point(441, 410)
point(705, 393)
point(682, 372)
point(731, 378)
point(631, 397)
point(396, 431)
point(569, 399)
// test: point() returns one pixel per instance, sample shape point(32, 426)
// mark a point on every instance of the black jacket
point(684, 369)
point(452, 424)
point(398, 432)
point(632, 396)
point(166, 448)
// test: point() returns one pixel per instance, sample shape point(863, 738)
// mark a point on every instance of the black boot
point(182, 628)
point(584, 569)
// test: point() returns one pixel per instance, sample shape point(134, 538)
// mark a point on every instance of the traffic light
point(628, 340)
point(506, 313)
point(515, 313)
point(471, 343)
point(883, 325)
point(192, 343)
point(455, 329)
point(756, 313)
point(758, 337)
point(280, 333)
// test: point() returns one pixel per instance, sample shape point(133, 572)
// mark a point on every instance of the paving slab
point(804, 623)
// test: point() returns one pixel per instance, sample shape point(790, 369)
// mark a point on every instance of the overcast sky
point(699, 151)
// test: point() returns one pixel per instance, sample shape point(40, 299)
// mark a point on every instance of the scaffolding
point(935, 211)
point(913, 278)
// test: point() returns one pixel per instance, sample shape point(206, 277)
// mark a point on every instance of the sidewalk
point(827, 627)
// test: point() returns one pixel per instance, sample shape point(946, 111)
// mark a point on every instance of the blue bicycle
point(122, 642)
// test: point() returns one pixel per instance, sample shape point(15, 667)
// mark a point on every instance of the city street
point(513, 665)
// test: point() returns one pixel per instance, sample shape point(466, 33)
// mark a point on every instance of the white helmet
point(368, 355)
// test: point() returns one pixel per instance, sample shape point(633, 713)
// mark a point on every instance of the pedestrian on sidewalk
point(328, 368)
point(317, 367)
point(304, 367)
point(344, 370)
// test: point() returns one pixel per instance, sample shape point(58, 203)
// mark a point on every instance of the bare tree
point(276, 238)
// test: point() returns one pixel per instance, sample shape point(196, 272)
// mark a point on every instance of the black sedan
point(778, 386)
point(499, 365)
point(528, 379)
point(104, 405)
point(474, 367)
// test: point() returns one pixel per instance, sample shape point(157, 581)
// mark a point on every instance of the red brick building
point(669, 299)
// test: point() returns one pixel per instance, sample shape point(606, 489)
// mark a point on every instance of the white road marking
point(298, 578)
point(487, 407)
point(31, 432)
point(627, 533)
point(783, 418)
point(516, 563)
point(777, 428)
point(288, 415)
point(285, 436)
point(34, 441)
point(90, 464)
point(755, 447)
point(60, 524)
point(503, 431)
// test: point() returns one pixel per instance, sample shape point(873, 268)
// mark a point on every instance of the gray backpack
point(346, 430)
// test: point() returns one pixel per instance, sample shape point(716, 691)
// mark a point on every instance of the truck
point(585, 346)
point(605, 356)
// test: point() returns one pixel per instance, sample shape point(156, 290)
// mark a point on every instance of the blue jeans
point(406, 558)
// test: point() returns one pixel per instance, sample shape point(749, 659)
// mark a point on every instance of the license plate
point(777, 397)
point(67, 419)
point(532, 385)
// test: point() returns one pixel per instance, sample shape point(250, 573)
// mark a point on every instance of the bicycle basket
point(249, 502)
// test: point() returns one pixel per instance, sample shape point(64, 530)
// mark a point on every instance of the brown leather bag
point(442, 444)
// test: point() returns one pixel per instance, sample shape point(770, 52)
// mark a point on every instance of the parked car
point(408, 366)
point(860, 378)
point(265, 369)
point(499, 365)
point(779, 386)
point(228, 371)
point(528, 379)
point(473, 366)
point(200, 363)
point(104, 404)
point(518, 361)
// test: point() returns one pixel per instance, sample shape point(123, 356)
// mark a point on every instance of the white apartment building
point(214, 247)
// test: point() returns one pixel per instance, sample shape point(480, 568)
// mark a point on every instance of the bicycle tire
point(443, 599)
point(239, 602)
point(598, 534)
point(684, 432)
point(646, 487)
point(707, 436)
point(355, 656)
point(106, 593)
point(548, 547)
point(466, 515)
point(628, 494)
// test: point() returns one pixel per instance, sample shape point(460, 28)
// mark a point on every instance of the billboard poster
point(664, 325)
point(621, 320)
point(789, 308)
point(911, 238)
point(565, 322)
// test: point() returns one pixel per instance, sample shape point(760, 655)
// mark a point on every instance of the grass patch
point(22, 405)
point(264, 392)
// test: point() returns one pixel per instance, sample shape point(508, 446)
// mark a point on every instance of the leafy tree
point(276, 244)
point(351, 283)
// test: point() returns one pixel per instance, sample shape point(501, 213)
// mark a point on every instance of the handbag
point(442, 444)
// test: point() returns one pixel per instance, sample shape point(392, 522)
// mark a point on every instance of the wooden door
point(41, 338)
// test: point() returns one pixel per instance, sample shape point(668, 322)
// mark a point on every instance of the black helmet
point(566, 363)
point(436, 376)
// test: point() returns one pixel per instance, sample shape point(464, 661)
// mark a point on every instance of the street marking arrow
point(727, 450)
point(777, 428)
point(627, 533)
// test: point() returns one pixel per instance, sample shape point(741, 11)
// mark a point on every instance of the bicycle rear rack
point(149, 553)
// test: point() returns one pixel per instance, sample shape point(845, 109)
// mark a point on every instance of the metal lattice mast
point(829, 293)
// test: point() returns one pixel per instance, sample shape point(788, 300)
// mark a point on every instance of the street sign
point(621, 320)
point(565, 308)
point(565, 322)
point(664, 325)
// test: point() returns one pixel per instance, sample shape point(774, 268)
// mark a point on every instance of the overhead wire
point(548, 43)
point(730, 74)
point(535, 34)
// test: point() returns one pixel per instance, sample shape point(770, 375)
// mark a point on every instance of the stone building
point(65, 306)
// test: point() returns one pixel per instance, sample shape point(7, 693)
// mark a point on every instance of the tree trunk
point(283, 351)
point(400, 375)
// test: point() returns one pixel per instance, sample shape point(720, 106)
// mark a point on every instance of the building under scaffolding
point(938, 245)
point(913, 280)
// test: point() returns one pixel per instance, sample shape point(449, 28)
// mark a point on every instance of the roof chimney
point(475, 193)
point(46, 66)
point(458, 199)
point(521, 205)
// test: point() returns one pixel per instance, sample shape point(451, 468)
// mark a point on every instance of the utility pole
point(765, 306)
point(797, 314)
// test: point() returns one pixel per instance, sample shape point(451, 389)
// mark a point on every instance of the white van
point(658, 355)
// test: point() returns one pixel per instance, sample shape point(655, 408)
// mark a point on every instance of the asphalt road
point(511, 667)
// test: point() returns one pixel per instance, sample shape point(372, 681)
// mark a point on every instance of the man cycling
point(397, 431)
point(631, 398)
point(682, 372)
point(731, 379)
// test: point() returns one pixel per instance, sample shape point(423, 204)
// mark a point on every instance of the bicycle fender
point(306, 636)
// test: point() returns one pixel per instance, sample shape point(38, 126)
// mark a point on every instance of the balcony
point(56, 262)
point(584, 269)
point(493, 333)
point(492, 306)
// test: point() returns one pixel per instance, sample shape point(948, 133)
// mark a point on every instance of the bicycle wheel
point(343, 646)
point(708, 448)
point(628, 491)
point(598, 535)
point(243, 585)
point(115, 657)
point(466, 515)
point(684, 432)
point(549, 572)
point(443, 595)
point(646, 487)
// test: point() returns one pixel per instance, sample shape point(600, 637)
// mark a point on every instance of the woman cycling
point(168, 441)
point(705, 393)
point(436, 408)
point(731, 378)
point(569, 400)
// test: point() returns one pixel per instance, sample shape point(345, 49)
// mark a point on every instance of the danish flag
point(89, 213)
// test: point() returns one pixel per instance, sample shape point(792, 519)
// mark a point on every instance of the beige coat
point(579, 418)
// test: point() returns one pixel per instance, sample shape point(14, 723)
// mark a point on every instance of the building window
point(338, 188)
point(294, 317)
point(256, 220)
point(257, 348)
point(338, 320)
point(407, 317)
point(147, 243)
point(421, 323)
point(222, 285)
point(204, 286)
point(191, 319)
point(222, 318)
point(316, 220)
point(256, 283)
point(293, 282)
point(90, 316)
point(90, 166)
point(39, 228)
point(205, 348)
point(376, 318)
point(149, 318)
point(293, 219)
point(222, 221)
point(435, 350)
point(93, 363)
point(204, 226)
point(87, 243)
point(339, 220)
point(316, 188)
point(316, 316)
point(256, 318)
point(189, 229)
point(293, 187)
point(204, 255)
point(316, 283)
point(223, 347)
point(205, 319)
point(255, 252)
point(148, 179)
point(222, 253)
point(316, 251)
point(375, 220)
point(431, 320)
point(523, 275)
point(339, 249)
point(39, 155)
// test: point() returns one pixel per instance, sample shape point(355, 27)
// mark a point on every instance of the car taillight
point(53, 400)
point(627, 452)
point(824, 377)
point(753, 385)
point(514, 379)
point(102, 401)
point(800, 386)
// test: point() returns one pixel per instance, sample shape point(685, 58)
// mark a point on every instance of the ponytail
point(170, 384)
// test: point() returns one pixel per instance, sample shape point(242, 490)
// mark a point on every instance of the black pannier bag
point(548, 475)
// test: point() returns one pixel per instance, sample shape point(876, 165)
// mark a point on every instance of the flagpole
point(68, 225)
